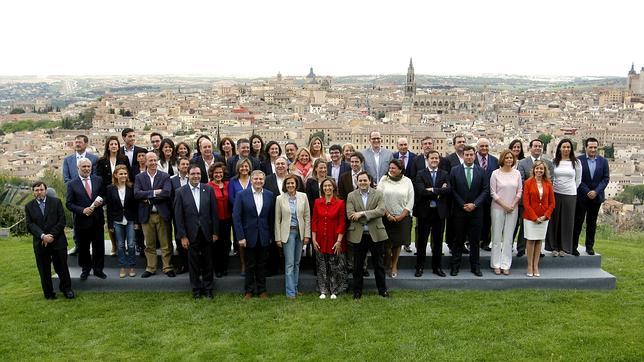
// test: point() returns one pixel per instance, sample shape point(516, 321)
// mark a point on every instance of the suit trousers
point(589, 211)
point(221, 250)
point(518, 231)
point(91, 237)
point(502, 235)
point(45, 257)
point(200, 264)
point(469, 227)
point(432, 225)
point(256, 258)
point(156, 229)
point(486, 224)
point(360, 253)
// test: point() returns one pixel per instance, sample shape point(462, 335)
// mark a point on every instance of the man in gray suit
point(376, 158)
point(365, 208)
point(525, 169)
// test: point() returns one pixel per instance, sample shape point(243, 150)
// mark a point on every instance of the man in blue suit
point(195, 215)
point(253, 222)
point(488, 163)
point(85, 202)
point(243, 151)
point(590, 194)
point(407, 157)
point(336, 166)
point(153, 190)
point(470, 189)
point(376, 158)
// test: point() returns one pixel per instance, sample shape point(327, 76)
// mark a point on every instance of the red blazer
point(223, 205)
point(327, 223)
point(533, 207)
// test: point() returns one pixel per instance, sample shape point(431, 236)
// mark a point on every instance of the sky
point(261, 38)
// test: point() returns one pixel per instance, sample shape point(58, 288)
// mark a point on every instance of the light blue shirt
point(592, 164)
point(292, 204)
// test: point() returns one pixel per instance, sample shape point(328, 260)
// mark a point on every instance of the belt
point(294, 228)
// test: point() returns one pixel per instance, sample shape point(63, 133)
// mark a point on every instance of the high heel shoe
point(529, 274)
point(497, 271)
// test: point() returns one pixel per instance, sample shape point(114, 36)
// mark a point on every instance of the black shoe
point(73, 251)
point(84, 275)
point(466, 251)
point(196, 295)
point(69, 294)
point(590, 251)
point(384, 294)
point(453, 272)
point(439, 272)
point(357, 295)
point(486, 248)
point(575, 252)
point(541, 255)
point(365, 273)
point(147, 274)
point(477, 272)
point(100, 274)
point(520, 253)
point(171, 274)
point(408, 249)
point(225, 273)
point(219, 275)
point(209, 294)
point(51, 296)
point(419, 272)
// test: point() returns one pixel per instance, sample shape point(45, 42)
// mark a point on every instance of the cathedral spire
point(410, 82)
point(632, 71)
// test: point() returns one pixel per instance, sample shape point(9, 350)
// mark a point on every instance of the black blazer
point(439, 193)
point(232, 163)
point(144, 193)
point(116, 210)
point(410, 162)
point(53, 222)
point(188, 220)
point(312, 192)
point(451, 161)
point(476, 194)
point(419, 165)
point(270, 184)
point(134, 167)
point(77, 200)
point(266, 166)
point(345, 185)
point(104, 169)
point(344, 167)
point(202, 166)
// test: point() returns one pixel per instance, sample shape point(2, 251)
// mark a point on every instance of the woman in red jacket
point(327, 229)
point(538, 204)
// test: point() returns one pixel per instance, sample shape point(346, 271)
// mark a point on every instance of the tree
point(545, 139)
point(609, 151)
point(17, 111)
point(319, 135)
point(631, 193)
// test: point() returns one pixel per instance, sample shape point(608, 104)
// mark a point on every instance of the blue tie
point(434, 178)
point(42, 207)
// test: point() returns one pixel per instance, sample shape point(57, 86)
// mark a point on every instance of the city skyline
point(464, 38)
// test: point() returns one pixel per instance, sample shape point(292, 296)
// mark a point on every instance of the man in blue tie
point(470, 189)
point(590, 194)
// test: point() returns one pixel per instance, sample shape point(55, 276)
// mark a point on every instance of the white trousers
point(502, 234)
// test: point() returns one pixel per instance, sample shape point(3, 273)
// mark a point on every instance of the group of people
point(269, 206)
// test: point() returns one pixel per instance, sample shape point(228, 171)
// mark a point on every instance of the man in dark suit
point(206, 158)
point(243, 151)
point(336, 166)
point(453, 160)
point(431, 208)
point(253, 222)
point(590, 194)
point(130, 150)
point(180, 263)
point(195, 214)
point(405, 156)
point(470, 188)
point(85, 202)
point(421, 161)
point(488, 163)
point(153, 190)
point(45, 220)
point(348, 180)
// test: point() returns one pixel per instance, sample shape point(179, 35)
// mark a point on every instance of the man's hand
point(242, 243)
point(215, 237)
point(277, 242)
point(591, 195)
point(469, 207)
point(185, 242)
point(356, 216)
point(306, 241)
point(88, 211)
point(157, 191)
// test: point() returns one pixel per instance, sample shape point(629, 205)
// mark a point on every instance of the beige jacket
point(372, 217)
point(283, 217)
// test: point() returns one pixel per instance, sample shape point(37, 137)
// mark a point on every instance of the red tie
point(88, 188)
point(484, 162)
point(402, 158)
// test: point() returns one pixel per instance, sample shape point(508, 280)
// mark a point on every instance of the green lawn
point(431, 325)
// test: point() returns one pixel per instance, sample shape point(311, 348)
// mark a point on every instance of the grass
point(430, 325)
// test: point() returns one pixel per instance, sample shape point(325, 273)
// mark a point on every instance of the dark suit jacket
point(250, 226)
point(344, 167)
point(419, 165)
point(266, 166)
point(439, 194)
point(270, 184)
point(492, 164)
point(312, 192)
point(476, 194)
point(176, 184)
point(144, 192)
point(598, 182)
point(116, 210)
point(451, 161)
point(134, 167)
point(345, 185)
point(53, 222)
point(188, 220)
point(104, 169)
point(77, 200)
point(202, 165)
point(410, 162)
point(232, 163)
point(70, 169)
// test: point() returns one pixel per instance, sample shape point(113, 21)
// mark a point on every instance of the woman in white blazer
point(292, 228)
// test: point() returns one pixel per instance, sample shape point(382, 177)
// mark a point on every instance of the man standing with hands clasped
point(195, 214)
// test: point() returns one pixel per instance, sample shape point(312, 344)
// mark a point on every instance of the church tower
point(410, 83)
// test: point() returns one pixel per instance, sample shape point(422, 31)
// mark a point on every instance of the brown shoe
point(263, 295)
point(132, 272)
point(299, 294)
point(122, 273)
point(247, 296)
